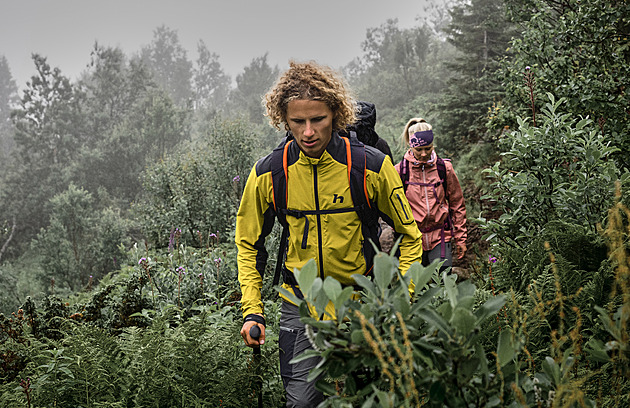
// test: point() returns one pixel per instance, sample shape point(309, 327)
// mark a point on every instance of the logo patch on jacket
point(337, 197)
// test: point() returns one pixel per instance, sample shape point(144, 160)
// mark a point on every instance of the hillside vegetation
point(118, 195)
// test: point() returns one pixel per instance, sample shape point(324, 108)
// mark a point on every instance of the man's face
point(311, 123)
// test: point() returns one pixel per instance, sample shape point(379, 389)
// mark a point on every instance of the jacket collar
point(414, 162)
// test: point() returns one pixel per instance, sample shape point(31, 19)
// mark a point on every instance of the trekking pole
point(254, 333)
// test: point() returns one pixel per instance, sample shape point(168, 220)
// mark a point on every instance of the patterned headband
point(423, 138)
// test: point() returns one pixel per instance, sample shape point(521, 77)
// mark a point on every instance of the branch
point(6, 244)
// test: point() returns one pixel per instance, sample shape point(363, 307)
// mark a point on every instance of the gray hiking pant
point(435, 254)
point(293, 342)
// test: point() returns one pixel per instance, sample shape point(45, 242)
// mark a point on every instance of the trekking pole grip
point(254, 333)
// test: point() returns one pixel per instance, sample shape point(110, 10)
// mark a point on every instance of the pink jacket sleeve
point(456, 205)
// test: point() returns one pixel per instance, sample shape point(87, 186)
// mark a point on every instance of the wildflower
point(527, 68)
point(141, 261)
point(236, 179)
point(176, 233)
point(217, 261)
point(181, 270)
point(492, 259)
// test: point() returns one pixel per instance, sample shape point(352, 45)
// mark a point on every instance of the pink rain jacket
point(429, 206)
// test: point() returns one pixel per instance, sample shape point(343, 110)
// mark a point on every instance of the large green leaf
point(489, 308)
point(383, 271)
point(332, 287)
point(505, 348)
point(450, 288)
point(306, 276)
point(435, 320)
point(551, 368)
point(420, 275)
point(463, 321)
point(365, 283)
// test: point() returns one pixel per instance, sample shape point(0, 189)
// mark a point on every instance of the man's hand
point(249, 341)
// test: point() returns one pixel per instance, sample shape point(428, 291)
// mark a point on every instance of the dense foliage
point(118, 194)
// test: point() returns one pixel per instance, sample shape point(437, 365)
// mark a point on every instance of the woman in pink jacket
point(434, 194)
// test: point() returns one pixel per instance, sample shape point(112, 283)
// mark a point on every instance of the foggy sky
point(64, 31)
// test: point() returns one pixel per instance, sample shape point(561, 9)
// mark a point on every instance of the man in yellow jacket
point(313, 103)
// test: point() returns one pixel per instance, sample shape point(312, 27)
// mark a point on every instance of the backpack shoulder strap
point(279, 165)
point(366, 211)
point(403, 171)
point(441, 168)
point(279, 184)
point(357, 164)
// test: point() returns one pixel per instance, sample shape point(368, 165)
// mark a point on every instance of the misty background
point(123, 121)
point(329, 31)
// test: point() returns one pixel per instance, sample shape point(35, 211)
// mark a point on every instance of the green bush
point(198, 189)
point(81, 244)
point(557, 170)
point(145, 336)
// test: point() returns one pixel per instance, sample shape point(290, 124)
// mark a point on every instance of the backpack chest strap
point(433, 185)
point(303, 214)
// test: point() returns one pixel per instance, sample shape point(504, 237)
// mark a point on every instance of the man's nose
point(308, 131)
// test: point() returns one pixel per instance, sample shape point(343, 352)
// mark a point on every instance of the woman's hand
point(461, 251)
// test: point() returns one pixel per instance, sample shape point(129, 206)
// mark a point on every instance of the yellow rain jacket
point(334, 241)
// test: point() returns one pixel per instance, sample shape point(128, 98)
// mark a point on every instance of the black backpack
point(366, 210)
point(364, 128)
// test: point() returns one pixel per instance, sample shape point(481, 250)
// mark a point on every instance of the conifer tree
point(481, 33)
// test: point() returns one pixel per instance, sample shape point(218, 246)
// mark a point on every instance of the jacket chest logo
point(337, 196)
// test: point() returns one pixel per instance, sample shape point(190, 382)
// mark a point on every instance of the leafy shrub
point(81, 244)
point(557, 170)
point(145, 336)
point(390, 349)
point(198, 188)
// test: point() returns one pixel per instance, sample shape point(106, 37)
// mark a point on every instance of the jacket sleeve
point(393, 204)
point(456, 206)
point(254, 221)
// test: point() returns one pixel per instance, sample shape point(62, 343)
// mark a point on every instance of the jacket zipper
point(319, 225)
point(426, 191)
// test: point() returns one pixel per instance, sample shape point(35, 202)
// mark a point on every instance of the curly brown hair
point(310, 81)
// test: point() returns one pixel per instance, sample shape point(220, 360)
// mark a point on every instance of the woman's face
point(422, 153)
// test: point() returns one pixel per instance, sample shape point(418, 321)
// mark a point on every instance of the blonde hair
point(414, 125)
point(310, 81)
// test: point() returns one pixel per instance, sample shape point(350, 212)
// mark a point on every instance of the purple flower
point(236, 179)
point(527, 68)
point(171, 241)
point(142, 260)
point(492, 259)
